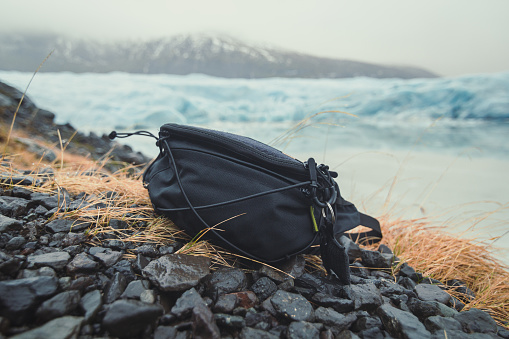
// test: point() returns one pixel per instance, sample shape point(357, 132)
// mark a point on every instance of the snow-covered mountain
point(221, 56)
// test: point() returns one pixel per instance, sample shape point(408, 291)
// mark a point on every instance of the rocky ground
point(39, 124)
point(56, 283)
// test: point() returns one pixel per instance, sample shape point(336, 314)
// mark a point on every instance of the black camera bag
point(250, 198)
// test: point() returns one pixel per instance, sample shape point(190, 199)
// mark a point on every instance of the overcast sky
point(450, 37)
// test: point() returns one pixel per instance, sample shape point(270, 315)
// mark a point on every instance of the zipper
point(233, 145)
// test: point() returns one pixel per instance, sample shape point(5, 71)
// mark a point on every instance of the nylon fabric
point(250, 198)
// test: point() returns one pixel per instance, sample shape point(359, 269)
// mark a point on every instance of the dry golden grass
point(421, 243)
point(437, 254)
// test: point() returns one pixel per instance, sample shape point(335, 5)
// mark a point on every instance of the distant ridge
point(220, 56)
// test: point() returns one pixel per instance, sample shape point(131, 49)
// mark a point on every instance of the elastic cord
point(252, 196)
point(114, 134)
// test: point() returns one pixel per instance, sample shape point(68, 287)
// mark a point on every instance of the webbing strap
point(374, 235)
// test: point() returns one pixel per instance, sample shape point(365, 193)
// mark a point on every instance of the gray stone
point(230, 321)
point(432, 293)
point(43, 271)
point(366, 297)
point(125, 267)
point(346, 334)
point(402, 324)
point(438, 323)
point(90, 304)
point(204, 325)
point(147, 251)
point(13, 207)
point(289, 269)
point(129, 318)
point(118, 224)
point(185, 304)
point(9, 264)
point(72, 239)
point(389, 288)
point(15, 243)
point(340, 305)
point(20, 297)
point(82, 263)
point(225, 280)
point(376, 259)
point(372, 333)
point(352, 249)
point(264, 288)
point(364, 323)
point(148, 296)
point(8, 224)
point(292, 306)
point(55, 260)
point(61, 328)
point(108, 258)
point(407, 283)
point(114, 288)
point(61, 304)
point(302, 330)
point(335, 319)
point(225, 303)
point(60, 225)
point(312, 284)
point(253, 333)
point(476, 321)
point(165, 332)
point(177, 272)
point(46, 200)
point(407, 271)
point(424, 309)
point(135, 289)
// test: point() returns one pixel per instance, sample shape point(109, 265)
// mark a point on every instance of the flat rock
point(20, 297)
point(253, 333)
point(332, 318)
point(60, 225)
point(61, 328)
point(225, 280)
point(230, 321)
point(114, 288)
point(204, 325)
point(82, 263)
point(264, 288)
point(177, 272)
point(338, 304)
point(476, 321)
point(438, 323)
point(292, 306)
point(432, 293)
point(108, 258)
point(91, 303)
point(225, 303)
point(366, 297)
point(302, 330)
point(129, 318)
point(135, 289)
point(60, 305)
point(402, 324)
point(185, 304)
point(55, 260)
point(424, 309)
point(8, 224)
